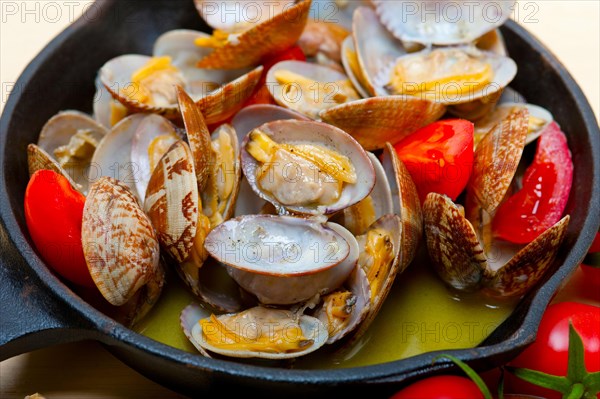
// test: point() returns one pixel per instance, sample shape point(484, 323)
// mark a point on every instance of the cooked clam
point(120, 247)
point(70, 138)
point(256, 332)
point(282, 259)
point(309, 88)
point(306, 167)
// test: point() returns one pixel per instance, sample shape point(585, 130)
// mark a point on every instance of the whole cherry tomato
point(53, 212)
point(439, 157)
point(441, 387)
point(549, 352)
point(591, 269)
point(543, 198)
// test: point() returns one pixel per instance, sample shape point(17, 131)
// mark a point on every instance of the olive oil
point(420, 315)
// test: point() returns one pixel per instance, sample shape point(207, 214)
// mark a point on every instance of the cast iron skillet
point(38, 310)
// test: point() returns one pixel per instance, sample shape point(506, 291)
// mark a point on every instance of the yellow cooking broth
point(420, 315)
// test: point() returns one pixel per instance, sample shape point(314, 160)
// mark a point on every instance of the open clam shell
point(357, 306)
point(248, 119)
point(352, 67)
point(503, 70)
point(222, 188)
point(70, 138)
point(375, 47)
point(314, 133)
point(282, 259)
point(310, 89)
point(407, 205)
point(119, 244)
point(449, 23)
point(250, 46)
point(179, 44)
point(391, 226)
point(172, 201)
point(377, 120)
point(339, 12)
point(188, 318)
point(461, 262)
point(256, 323)
point(116, 76)
point(496, 160)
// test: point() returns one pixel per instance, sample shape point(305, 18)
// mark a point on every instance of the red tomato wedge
point(542, 200)
point(53, 212)
point(439, 157)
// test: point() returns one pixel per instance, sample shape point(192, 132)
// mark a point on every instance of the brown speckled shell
point(119, 244)
point(38, 159)
point(172, 201)
point(457, 255)
point(374, 121)
point(229, 99)
point(406, 204)
point(496, 159)
point(198, 136)
point(528, 266)
point(269, 37)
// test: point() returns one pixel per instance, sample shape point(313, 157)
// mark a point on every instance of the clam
point(434, 22)
point(405, 200)
point(38, 159)
point(306, 167)
point(351, 310)
point(309, 88)
point(377, 120)
point(539, 120)
point(121, 248)
point(107, 111)
point(192, 189)
point(256, 332)
point(248, 119)
point(460, 259)
point(452, 76)
point(284, 260)
point(148, 84)
point(353, 69)
point(375, 48)
point(251, 36)
point(69, 140)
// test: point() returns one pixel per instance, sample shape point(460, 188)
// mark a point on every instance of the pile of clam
point(290, 222)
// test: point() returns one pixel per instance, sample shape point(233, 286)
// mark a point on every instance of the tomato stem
point(577, 391)
point(472, 374)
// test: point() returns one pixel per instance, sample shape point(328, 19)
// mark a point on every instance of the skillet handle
point(31, 317)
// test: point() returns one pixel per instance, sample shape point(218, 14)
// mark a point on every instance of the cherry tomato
point(591, 269)
point(543, 198)
point(549, 352)
point(53, 212)
point(441, 387)
point(439, 157)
